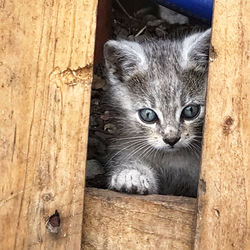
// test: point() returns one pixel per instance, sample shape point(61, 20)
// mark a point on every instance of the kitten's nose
point(171, 140)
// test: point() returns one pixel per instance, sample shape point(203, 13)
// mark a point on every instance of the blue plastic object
point(201, 9)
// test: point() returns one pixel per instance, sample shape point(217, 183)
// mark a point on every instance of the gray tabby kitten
point(158, 91)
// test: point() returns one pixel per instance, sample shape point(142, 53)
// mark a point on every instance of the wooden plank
point(46, 56)
point(114, 220)
point(224, 191)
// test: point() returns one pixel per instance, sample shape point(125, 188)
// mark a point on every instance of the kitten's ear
point(195, 51)
point(124, 58)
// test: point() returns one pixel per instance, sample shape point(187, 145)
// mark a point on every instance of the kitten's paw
point(132, 181)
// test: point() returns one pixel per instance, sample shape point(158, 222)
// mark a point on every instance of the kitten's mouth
point(166, 148)
point(170, 149)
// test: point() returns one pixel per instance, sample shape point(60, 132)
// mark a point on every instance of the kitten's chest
point(178, 160)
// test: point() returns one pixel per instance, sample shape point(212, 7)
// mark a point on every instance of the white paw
point(132, 181)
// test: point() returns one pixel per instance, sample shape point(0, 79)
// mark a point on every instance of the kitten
point(157, 89)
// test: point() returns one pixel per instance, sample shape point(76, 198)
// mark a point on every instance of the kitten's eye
point(147, 115)
point(190, 112)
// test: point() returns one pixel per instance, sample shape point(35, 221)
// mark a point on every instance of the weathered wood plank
point(119, 221)
point(224, 191)
point(46, 53)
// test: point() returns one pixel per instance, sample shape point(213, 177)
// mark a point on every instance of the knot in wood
point(228, 122)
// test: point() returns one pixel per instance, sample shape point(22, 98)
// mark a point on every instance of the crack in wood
point(71, 77)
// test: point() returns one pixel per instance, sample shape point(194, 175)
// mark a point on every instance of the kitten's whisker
point(125, 143)
point(143, 154)
point(132, 137)
point(123, 149)
point(196, 143)
point(139, 149)
point(146, 152)
point(145, 146)
point(129, 156)
point(136, 146)
point(195, 150)
point(151, 153)
point(156, 153)
point(196, 139)
point(131, 142)
point(152, 150)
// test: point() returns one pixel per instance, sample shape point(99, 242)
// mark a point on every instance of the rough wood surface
point(224, 192)
point(119, 221)
point(46, 53)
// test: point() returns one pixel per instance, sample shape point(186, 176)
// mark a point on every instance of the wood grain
point(119, 221)
point(46, 56)
point(224, 191)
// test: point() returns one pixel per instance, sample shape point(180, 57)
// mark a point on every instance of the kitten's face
point(159, 89)
point(169, 115)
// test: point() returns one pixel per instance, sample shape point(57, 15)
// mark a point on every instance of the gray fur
point(164, 76)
